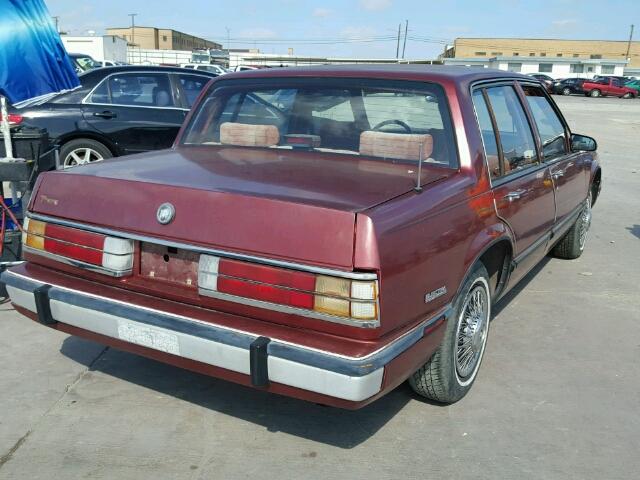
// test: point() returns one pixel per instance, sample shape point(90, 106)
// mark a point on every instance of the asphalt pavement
point(557, 397)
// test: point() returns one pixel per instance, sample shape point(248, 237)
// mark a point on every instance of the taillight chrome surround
point(325, 297)
point(104, 254)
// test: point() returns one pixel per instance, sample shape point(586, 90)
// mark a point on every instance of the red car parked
point(323, 233)
point(608, 86)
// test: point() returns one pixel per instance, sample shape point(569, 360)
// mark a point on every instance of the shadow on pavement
point(635, 230)
point(340, 428)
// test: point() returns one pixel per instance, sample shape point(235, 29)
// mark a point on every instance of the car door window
point(135, 89)
point(514, 133)
point(191, 86)
point(550, 127)
point(488, 135)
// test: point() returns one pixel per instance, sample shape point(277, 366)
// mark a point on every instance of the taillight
point(109, 255)
point(327, 297)
point(13, 118)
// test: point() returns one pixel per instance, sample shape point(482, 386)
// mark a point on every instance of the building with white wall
point(100, 48)
point(555, 67)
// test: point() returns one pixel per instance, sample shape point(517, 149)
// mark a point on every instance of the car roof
point(435, 73)
point(104, 71)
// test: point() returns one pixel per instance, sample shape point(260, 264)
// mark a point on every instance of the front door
point(137, 111)
point(522, 186)
point(569, 171)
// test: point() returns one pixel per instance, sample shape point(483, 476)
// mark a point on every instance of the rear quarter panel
point(431, 239)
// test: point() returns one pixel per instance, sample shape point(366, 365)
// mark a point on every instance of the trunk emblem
point(165, 213)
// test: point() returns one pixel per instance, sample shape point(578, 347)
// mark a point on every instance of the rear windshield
point(392, 120)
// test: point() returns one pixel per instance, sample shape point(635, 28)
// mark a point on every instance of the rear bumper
point(261, 359)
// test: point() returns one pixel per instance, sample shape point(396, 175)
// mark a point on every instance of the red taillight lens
point(261, 282)
point(13, 118)
point(326, 295)
point(111, 255)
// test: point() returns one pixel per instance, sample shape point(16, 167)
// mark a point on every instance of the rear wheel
point(566, 91)
point(82, 150)
point(595, 93)
point(450, 372)
point(572, 244)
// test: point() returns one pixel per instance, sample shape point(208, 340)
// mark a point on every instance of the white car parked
point(206, 67)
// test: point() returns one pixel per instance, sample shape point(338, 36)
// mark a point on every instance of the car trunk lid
point(273, 203)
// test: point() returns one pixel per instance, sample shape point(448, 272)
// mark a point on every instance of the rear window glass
point(392, 120)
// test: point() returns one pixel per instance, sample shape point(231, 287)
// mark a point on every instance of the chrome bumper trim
point(340, 376)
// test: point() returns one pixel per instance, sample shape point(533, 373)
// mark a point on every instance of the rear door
point(138, 111)
point(569, 170)
point(522, 186)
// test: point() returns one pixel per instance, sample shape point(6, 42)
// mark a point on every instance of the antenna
point(418, 186)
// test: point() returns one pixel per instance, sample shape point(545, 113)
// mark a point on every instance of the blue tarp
point(33, 61)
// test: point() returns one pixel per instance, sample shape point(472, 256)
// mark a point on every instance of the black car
point(568, 86)
point(116, 111)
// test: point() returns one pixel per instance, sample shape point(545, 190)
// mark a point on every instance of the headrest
point(162, 98)
point(246, 135)
point(403, 146)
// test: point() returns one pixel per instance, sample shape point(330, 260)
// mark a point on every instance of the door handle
point(515, 195)
point(105, 114)
point(557, 174)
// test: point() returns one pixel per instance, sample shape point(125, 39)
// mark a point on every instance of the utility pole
point(398, 44)
point(629, 44)
point(228, 37)
point(56, 19)
point(406, 30)
point(133, 29)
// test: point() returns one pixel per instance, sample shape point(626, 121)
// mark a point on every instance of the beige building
point(545, 48)
point(161, 38)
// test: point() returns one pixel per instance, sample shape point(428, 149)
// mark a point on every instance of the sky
point(355, 28)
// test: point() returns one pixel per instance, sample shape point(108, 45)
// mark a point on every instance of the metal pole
point(398, 44)
point(629, 44)
point(406, 30)
point(6, 133)
point(133, 28)
point(56, 19)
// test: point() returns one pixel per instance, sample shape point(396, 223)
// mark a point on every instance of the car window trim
point(262, 81)
point(565, 125)
point(85, 100)
point(496, 133)
point(507, 82)
point(181, 95)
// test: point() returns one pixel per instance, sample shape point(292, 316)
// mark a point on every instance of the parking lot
point(558, 394)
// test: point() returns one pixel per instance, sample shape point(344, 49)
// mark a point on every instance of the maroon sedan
point(324, 233)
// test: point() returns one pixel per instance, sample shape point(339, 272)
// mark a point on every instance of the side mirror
point(583, 143)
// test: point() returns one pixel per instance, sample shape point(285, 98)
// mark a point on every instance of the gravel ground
point(558, 395)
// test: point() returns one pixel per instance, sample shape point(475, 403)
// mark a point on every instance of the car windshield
point(86, 63)
point(391, 120)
